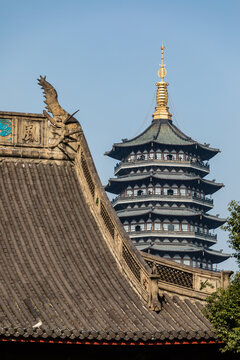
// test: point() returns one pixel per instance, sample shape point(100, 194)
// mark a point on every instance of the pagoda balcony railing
point(151, 197)
point(181, 234)
point(158, 162)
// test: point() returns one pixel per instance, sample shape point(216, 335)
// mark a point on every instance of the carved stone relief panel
point(29, 132)
point(206, 284)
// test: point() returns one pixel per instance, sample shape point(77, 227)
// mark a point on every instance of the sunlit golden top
point(162, 72)
point(162, 94)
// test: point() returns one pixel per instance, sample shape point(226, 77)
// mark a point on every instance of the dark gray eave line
point(210, 252)
point(182, 213)
point(134, 178)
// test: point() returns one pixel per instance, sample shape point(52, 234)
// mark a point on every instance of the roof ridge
point(180, 134)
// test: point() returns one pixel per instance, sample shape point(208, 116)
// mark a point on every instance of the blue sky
point(103, 57)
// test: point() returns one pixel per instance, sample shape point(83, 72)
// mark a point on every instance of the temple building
point(70, 277)
point(163, 197)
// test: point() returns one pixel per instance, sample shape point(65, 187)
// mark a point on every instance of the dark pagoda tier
point(163, 198)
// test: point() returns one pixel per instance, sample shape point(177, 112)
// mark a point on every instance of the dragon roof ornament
point(64, 128)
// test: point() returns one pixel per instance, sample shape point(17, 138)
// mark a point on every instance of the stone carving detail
point(64, 128)
point(31, 133)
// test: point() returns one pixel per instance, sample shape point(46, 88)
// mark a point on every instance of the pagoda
point(163, 196)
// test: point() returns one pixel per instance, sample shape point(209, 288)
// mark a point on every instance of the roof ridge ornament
point(64, 128)
point(161, 110)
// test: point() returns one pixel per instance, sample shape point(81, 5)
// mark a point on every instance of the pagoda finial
point(162, 72)
point(162, 94)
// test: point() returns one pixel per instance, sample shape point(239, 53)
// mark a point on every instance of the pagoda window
point(131, 157)
point(142, 224)
point(151, 154)
point(150, 190)
point(199, 262)
point(157, 225)
point(165, 189)
point(176, 227)
point(149, 225)
point(170, 191)
point(165, 154)
point(175, 190)
point(186, 262)
point(158, 155)
point(138, 155)
point(157, 190)
point(182, 191)
point(135, 191)
point(165, 227)
point(126, 227)
point(177, 259)
point(184, 227)
point(174, 155)
point(181, 156)
point(137, 228)
point(129, 192)
point(170, 227)
point(139, 192)
point(133, 225)
point(169, 157)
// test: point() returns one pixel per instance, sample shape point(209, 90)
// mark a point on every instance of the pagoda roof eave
point(213, 221)
point(216, 255)
point(113, 187)
point(164, 133)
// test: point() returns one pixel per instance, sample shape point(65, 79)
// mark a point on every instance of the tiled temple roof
point(57, 268)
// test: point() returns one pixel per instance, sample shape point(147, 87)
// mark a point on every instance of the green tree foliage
point(223, 306)
point(233, 226)
point(223, 311)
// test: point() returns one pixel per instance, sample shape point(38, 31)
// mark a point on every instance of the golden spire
point(162, 94)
